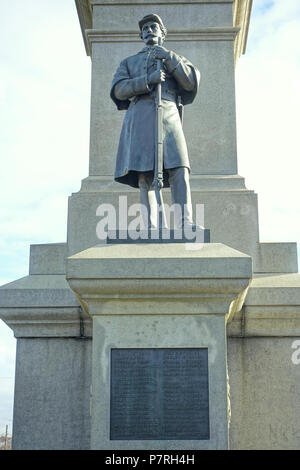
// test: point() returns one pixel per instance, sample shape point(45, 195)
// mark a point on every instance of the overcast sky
point(45, 99)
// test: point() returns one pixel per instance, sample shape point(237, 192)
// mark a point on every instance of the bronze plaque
point(159, 394)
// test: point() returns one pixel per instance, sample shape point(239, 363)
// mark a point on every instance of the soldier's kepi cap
point(151, 17)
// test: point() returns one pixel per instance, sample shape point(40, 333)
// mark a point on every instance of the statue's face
point(151, 32)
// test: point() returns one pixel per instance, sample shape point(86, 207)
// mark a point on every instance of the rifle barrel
point(158, 167)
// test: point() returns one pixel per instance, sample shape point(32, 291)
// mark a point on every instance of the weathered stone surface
point(48, 258)
point(230, 214)
point(264, 388)
point(52, 388)
point(277, 258)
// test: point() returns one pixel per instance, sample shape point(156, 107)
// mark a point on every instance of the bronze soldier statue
point(133, 89)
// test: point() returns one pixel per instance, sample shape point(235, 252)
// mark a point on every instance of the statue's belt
point(166, 94)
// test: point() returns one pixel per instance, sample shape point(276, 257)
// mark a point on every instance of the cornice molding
point(85, 15)
point(204, 34)
point(45, 322)
point(241, 19)
point(124, 280)
point(271, 307)
point(159, 297)
point(156, 2)
point(42, 305)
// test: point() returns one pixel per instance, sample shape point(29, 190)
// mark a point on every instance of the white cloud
point(45, 95)
point(268, 100)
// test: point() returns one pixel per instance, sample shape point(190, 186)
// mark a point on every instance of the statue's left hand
point(161, 52)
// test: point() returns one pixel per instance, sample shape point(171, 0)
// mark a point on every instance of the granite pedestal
point(159, 317)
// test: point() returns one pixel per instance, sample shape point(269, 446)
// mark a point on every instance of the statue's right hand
point(157, 77)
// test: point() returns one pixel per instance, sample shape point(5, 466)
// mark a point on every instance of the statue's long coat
point(130, 91)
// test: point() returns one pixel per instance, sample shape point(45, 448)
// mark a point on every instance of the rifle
point(158, 162)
